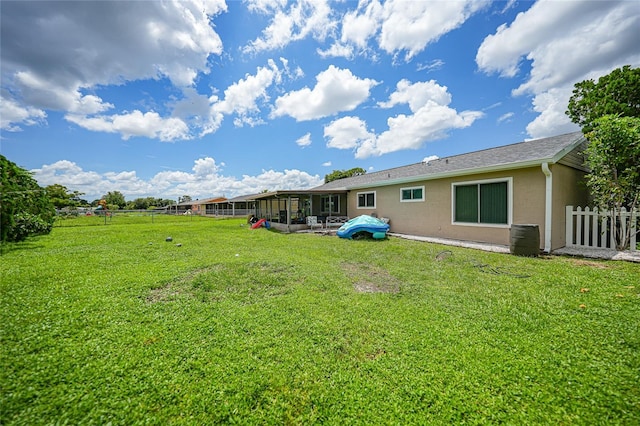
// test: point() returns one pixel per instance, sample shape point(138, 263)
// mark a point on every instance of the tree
point(617, 93)
point(61, 197)
point(341, 174)
point(25, 208)
point(184, 199)
point(115, 198)
point(613, 155)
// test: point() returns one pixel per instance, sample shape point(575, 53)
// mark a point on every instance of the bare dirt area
point(371, 279)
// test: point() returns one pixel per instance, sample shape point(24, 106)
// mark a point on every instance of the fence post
point(579, 226)
point(603, 231)
point(634, 218)
point(568, 235)
point(594, 227)
point(613, 228)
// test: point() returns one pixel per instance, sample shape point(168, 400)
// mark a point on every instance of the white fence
point(590, 228)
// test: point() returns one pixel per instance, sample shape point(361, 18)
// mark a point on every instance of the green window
point(412, 194)
point(482, 203)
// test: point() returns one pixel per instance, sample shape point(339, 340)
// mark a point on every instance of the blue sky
point(214, 98)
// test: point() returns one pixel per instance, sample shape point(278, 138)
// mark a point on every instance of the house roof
point(241, 198)
point(298, 192)
point(203, 201)
point(518, 155)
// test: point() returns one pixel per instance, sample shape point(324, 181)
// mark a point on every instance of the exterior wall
point(569, 188)
point(433, 217)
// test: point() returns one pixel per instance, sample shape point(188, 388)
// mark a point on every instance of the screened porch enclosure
point(289, 210)
point(286, 210)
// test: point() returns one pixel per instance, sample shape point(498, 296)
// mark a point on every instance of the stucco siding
point(433, 216)
point(569, 188)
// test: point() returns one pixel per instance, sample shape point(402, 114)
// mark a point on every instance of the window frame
point(323, 206)
point(412, 200)
point(358, 194)
point(507, 180)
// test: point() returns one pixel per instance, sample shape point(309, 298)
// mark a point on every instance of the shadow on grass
point(6, 248)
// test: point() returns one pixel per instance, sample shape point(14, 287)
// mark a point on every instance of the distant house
point(199, 207)
point(473, 197)
point(237, 206)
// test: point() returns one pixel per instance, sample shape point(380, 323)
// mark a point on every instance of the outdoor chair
point(312, 221)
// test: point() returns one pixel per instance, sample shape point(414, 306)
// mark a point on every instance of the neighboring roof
point(204, 201)
point(514, 156)
point(297, 192)
point(241, 198)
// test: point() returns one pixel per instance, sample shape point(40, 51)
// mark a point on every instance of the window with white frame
point(367, 200)
point(330, 204)
point(485, 202)
point(412, 194)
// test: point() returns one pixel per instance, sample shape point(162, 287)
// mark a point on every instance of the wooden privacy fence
point(590, 228)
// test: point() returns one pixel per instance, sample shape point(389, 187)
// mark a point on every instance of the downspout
point(548, 212)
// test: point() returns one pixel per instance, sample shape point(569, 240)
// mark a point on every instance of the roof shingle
point(516, 155)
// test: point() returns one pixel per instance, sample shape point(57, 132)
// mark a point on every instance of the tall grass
point(111, 323)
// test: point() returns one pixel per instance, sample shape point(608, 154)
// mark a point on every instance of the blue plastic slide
point(377, 228)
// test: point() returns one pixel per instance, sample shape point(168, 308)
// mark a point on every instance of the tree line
point(27, 209)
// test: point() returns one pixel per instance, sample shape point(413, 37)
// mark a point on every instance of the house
point(199, 207)
point(238, 206)
point(287, 210)
point(475, 196)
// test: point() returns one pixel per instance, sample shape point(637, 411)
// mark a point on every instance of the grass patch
point(111, 323)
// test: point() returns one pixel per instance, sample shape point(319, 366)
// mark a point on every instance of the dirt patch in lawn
point(179, 287)
point(371, 279)
point(590, 263)
point(243, 283)
point(162, 294)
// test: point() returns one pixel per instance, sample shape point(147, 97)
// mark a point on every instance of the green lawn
point(111, 323)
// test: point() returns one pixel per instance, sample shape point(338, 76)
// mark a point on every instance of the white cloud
point(430, 158)
point(411, 26)
point(264, 6)
point(347, 133)
point(399, 25)
point(302, 19)
point(11, 112)
point(551, 105)
point(304, 140)
point(336, 90)
point(565, 43)
point(361, 24)
point(37, 91)
point(206, 180)
point(430, 120)
point(433, 65)
point(417, 95)
point(135, 123)
point(326, 164)
point(81, 46)
point(206, 167)
point(66, 173)
point(505, 117)
point(337, 50)
point(429, 123)
point(241, 98)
